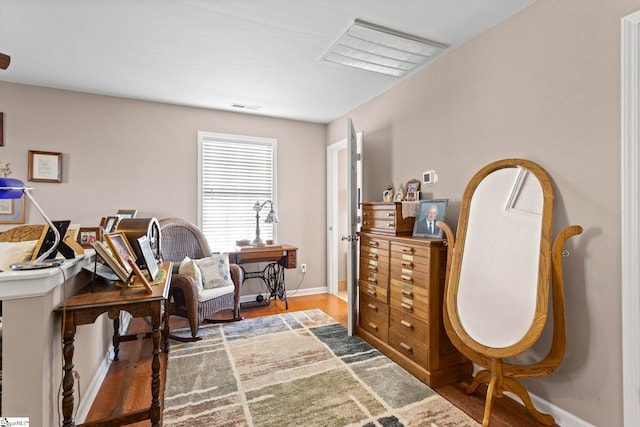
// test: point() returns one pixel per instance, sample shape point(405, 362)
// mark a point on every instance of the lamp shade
point(11, 188)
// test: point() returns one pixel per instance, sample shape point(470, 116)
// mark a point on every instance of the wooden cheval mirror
point(502, 264)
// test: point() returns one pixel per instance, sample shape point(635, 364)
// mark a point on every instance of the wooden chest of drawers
point(386, 218)
point(401, 289)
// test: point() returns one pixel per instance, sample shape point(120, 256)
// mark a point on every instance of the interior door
point(353, 196)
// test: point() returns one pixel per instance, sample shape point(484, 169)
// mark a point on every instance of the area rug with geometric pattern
point(294, 369)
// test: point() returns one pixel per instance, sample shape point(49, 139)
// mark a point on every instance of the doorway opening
point(337, 216)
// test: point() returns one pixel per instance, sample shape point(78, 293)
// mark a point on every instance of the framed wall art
point(1, 129)
point(45, 166)
point(12, 211)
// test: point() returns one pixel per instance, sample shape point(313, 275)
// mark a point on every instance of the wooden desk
point(104, 297)
point(279, 258)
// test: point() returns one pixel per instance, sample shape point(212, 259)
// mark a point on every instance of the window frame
point(203, 137)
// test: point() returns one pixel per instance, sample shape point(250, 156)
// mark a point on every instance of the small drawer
point(409, 326)
point(410, 348)
point(291, 260)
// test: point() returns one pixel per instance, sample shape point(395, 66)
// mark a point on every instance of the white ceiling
point(213, 53)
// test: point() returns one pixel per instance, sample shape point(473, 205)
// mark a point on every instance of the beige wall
point(128, 154)
point(545, 86)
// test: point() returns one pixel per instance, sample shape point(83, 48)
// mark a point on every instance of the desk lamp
point(11, 188)
point(271, 218)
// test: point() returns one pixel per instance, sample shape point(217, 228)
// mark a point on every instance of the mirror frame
point(544, 263)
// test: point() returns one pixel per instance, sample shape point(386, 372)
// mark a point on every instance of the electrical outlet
point(303, 268)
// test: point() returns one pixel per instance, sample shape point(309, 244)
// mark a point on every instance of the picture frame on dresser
point(411, 190)
point(430, 212)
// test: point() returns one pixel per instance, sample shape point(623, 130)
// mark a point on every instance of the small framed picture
point(413, 186)
point(431, 211)
point(398, 196)
point(109, 224)
point(45, 166)
point(387, 196)
point(148, 257)
point(126, 213)
point(12, 211)
point(88, 235)
point(120, 249)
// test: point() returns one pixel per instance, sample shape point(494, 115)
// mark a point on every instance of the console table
point(101, 297)
point(279, 258)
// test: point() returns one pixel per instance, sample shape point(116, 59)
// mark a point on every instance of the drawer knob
point(371, 292)
point(373, 256)
point(406, 324)
point(406, 347)
point(372, 280)
point(372, 307)
point(391, 214)
point(406, 264)
point(406, 278)
point(407, 250)
point(407, 306)
point(390, 225)
point(374, 244)
point(407, 293)
point(373, 268)
point(373, 326)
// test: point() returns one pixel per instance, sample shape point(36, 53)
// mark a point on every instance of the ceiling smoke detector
point(382, 50)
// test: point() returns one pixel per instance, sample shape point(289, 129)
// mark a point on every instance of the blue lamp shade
point(11, 188)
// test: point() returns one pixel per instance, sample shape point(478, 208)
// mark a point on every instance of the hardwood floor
point(127, 385)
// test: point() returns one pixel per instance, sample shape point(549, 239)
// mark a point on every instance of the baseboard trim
point(86, 401)
point(296, 293)
point(91, 392)
point(562, 417)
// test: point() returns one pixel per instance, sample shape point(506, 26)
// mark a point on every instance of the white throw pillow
point(215, 271)
point(189, 268)
point(12, 252)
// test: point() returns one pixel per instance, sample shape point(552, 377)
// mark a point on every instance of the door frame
point(630, 225)
point(332, 209)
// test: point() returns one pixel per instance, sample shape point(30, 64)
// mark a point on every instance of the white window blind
point(234, 173)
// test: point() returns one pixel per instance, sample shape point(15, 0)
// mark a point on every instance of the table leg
point(155, 364)
point(68, 334)
point(165, 329)
point(116, 338)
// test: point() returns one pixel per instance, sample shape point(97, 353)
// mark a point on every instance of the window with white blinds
point(234, 173)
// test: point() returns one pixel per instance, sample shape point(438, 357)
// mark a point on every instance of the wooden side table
point(104, 297)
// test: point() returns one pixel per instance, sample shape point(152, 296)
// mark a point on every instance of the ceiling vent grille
point(382, 50)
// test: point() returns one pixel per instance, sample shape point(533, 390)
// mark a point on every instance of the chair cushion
point(215, 271)
point(12, 252)
point(208, 294)
point(189, 268)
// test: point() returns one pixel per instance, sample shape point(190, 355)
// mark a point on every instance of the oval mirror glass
point(500, 258)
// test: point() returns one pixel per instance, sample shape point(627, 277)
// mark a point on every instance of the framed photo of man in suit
point(431, 211)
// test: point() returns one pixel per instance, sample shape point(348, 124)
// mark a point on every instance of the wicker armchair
point(180, 239)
